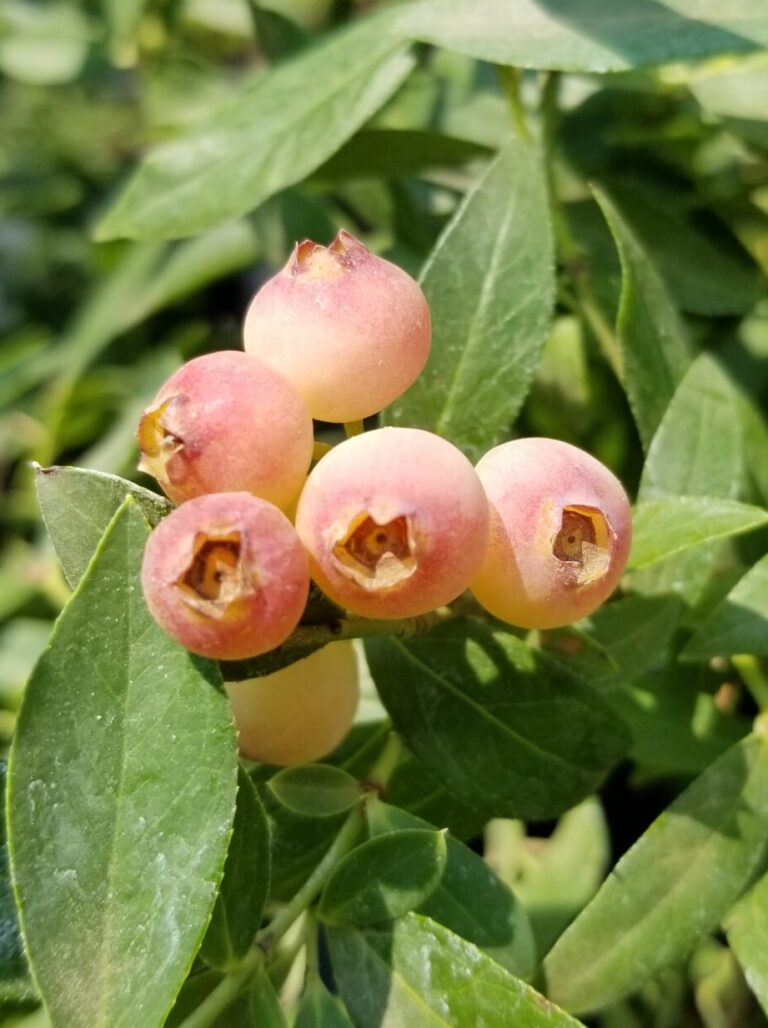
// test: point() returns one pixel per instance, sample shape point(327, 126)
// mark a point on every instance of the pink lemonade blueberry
point(349, 329)
point(300, 713)
point(226, 575)
point(227, 422)
point(560, 533)
point(395, 522)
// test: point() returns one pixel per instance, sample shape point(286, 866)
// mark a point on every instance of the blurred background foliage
point(90, 329)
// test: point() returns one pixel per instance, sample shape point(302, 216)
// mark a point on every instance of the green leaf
point(631, 635)
point(653, 340)
point(702, 276)
point(588, 35)
point(553, 877)
point(490, 285)
point(676, 724)
point(500, 727)
point(417, 974)
point(673, 524)
point(384, 878)
point(739, 624)
point(469, 899)
point(121, 799)
point(271, 137)
point(77, 505)
point(697, 451)
point(394, 153)
point(673, 886)
point(15, 983)
point(319, 1009)
point(747, 930)
point(315, 790)
point(245, 885)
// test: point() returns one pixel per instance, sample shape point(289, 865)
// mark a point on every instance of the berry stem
point(319, 450)
point(353, 428)
point(227, 991)
point(306, 638)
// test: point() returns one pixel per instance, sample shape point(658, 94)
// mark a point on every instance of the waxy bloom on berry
point(300, 713)
point(560, 533)
point(226, 575)
point(350, 330)
point(395, 522)
point(227, 422)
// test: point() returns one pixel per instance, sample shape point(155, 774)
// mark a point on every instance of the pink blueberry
point(226, 575)
point(560, 533)
point(350, 330)
point(227, 422)
point(395, 522)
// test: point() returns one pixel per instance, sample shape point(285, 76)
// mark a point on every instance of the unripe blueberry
point(300, 713)
point(227, 422)
point(395, 522)
point(560, 533)
point(226, 575)
point(350, 330)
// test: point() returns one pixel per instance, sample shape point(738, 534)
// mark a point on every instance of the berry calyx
point(395, 522)
point(225, 575)
point(227, 422)
point(349, 329)
point(560, 533)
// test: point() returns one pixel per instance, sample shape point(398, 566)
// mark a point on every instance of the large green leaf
point(490, 285)
point(673, 886)
point(15, 983)
point(619, 642)
point(243, 892)
point(674, 524)
point(652, 336)
point(697, 450)
point(497, 725)
point(393, 153)
point(417, 974)
point(384, 877)
point(272, 136)
point(676, 724)
point(747, 930)
point(739, 624)
point(469, 899)
point(121, 798)
point(77, 505)
point(589, 35)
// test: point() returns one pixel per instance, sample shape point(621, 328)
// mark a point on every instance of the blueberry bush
point(453, 737)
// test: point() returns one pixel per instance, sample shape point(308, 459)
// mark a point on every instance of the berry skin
point(227, 422)
point(395, 522)
point(350, 330)
point(560, 533)
point(225, 575)
point(300, 713)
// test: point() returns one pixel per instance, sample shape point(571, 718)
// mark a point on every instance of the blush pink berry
point(227, 422)
point(226, 575)
point(395, 522)
point(350, 330)
point(560, 533)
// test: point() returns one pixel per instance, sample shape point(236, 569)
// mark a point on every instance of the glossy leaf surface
point(121, 799)
point(674, 885)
